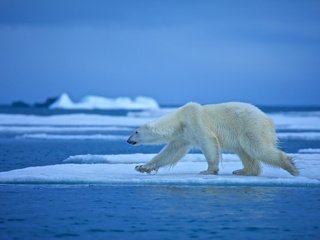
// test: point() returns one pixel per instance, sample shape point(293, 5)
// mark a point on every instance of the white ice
point(74, 137)
point(299, 135)
point(79, 119)
point(24, 129)
point(119, 169)
point(128, 158)
point(297, 120)
point(97, 102)
point(309, 150)
point(283, 122)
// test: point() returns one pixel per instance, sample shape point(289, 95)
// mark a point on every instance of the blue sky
point(263, 52)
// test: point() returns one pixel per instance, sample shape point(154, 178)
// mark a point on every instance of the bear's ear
point(148, 126)
point(151, 127)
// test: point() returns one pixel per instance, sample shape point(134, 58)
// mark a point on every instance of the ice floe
point(309, 150)
point(299, 121)
point(299, 135)
point(283, 122)
point(79, 119)
point(119, 169)
point(127, 158)
point(19, 129)
point(74, 137)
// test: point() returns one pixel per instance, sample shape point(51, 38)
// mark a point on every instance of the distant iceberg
point(97, 102)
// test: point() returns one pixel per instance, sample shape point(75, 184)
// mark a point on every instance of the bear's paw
point(209, 172)
point(144, 169)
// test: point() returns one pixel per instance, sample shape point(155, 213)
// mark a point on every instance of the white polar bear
point(238, 127)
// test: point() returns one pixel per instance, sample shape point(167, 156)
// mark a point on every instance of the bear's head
point(147, 134)
point(159, 131)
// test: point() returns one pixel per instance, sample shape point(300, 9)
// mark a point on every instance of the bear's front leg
point(169, 155)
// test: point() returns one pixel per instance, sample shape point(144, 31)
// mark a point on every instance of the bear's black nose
point(131, 142)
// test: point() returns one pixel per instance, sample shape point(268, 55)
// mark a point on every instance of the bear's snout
point(130, 141)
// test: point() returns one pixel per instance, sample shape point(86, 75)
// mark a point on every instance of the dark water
point(129, 212)
point(145, 212)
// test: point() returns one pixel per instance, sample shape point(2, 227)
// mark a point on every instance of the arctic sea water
point(69, 175)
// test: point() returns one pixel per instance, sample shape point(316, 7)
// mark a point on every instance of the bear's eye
point(136, 132)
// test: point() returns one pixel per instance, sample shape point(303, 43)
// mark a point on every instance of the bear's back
point(240, 119)
point(234, 109)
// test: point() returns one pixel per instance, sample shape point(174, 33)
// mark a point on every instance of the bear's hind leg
point(277, 158)
point(211, 151)
point(251, 167)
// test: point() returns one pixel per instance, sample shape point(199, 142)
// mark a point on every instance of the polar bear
point(238, 127)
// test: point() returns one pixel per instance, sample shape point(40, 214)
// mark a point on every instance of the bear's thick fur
point(238, 127)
